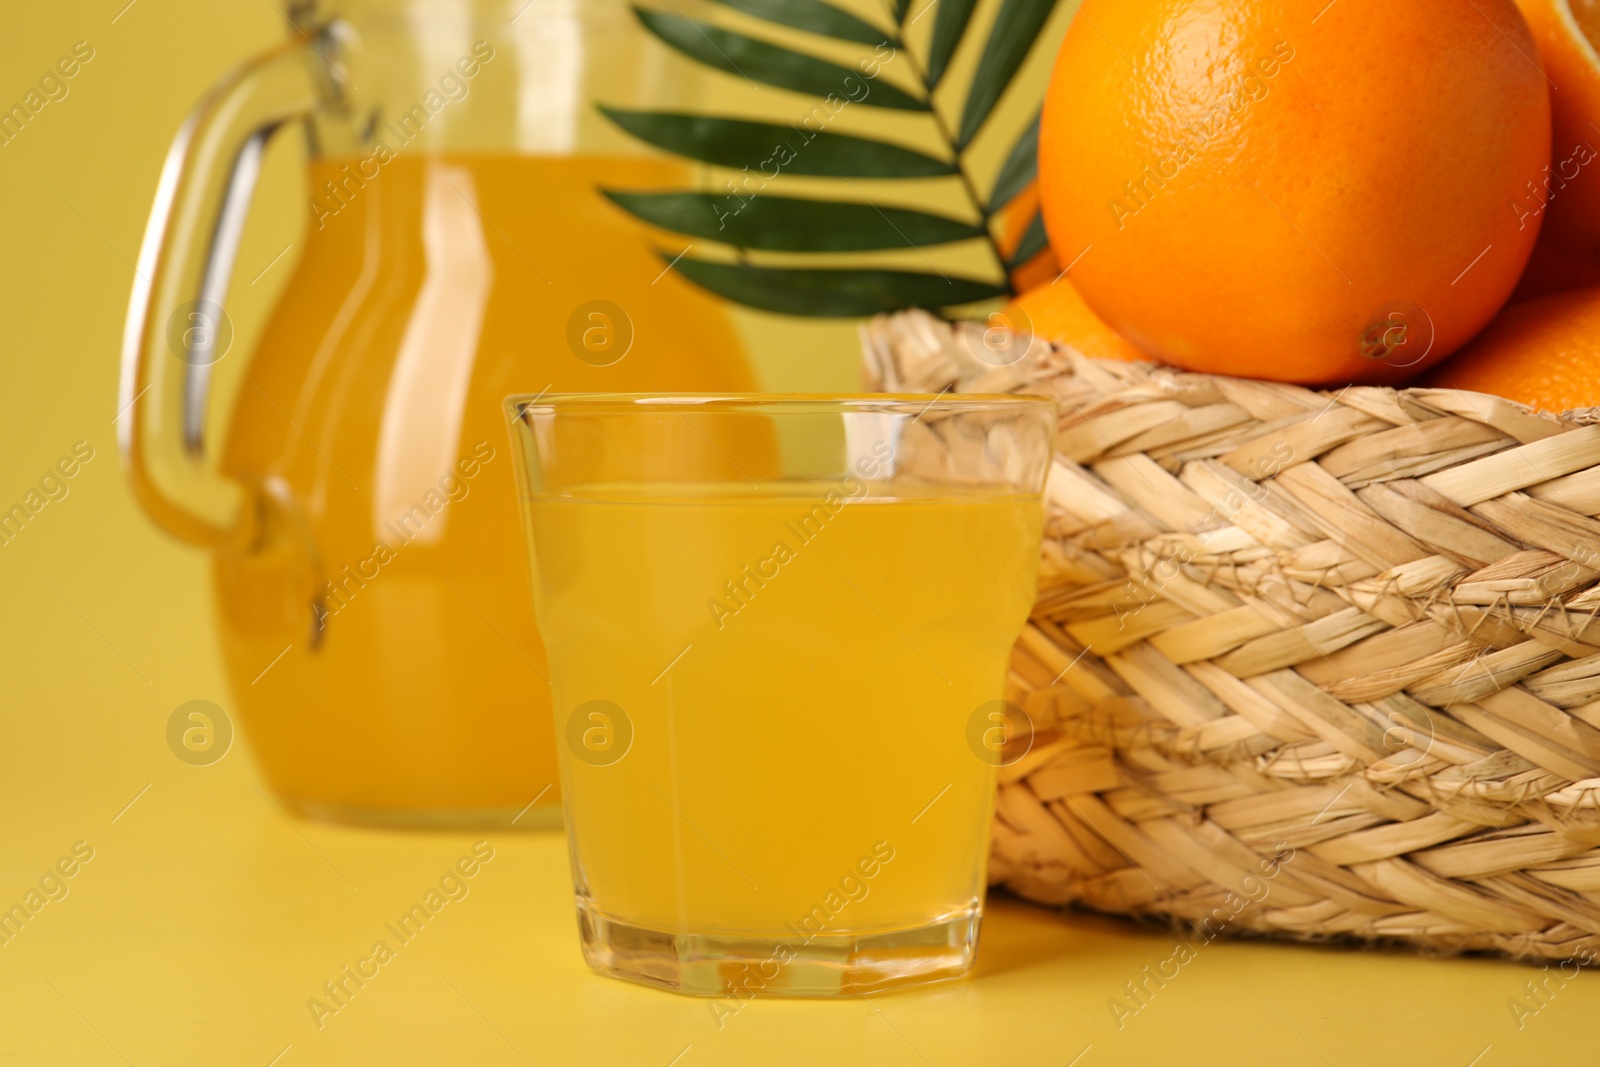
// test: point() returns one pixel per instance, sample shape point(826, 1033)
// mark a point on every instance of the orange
point(1050, 306)
point(1057, 313)
point(1294, 189)
point(1565, 196)
point(1545, 353)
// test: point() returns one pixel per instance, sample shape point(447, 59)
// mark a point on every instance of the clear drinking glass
point(778, 629)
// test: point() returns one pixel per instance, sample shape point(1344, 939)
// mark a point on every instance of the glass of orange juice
point(777, 630)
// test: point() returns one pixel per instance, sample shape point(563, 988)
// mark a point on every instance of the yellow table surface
point(206, 920)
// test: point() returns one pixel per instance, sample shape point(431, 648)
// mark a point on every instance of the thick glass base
point(537, 817)
point(785, 965)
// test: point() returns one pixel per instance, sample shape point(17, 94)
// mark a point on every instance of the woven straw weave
point(1317, 664)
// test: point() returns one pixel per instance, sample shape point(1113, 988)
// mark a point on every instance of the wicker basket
point(1314, 664)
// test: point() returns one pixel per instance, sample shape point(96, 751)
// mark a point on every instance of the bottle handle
point(176, 328)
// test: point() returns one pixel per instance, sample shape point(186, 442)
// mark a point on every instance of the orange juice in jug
point(418, 683)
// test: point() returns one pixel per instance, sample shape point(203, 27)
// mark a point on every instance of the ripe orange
point(1565, 196)
point(1057, 313)
point(1545, 353)
point(1304, 191)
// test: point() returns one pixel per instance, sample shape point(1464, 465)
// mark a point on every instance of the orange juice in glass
point(766, 680)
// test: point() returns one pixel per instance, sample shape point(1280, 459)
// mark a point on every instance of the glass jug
point(371, 587)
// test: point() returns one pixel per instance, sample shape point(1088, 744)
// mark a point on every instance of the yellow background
point(206, 919)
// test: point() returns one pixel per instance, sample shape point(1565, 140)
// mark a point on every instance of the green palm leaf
point(1034, 240)
point(752, 217)
point(948, 27)
point(813, 16)
point(793, 224)
point(833, 293)
point(1015, 28)
point(758, 61)
point(1020, 168)
point(769, 149)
